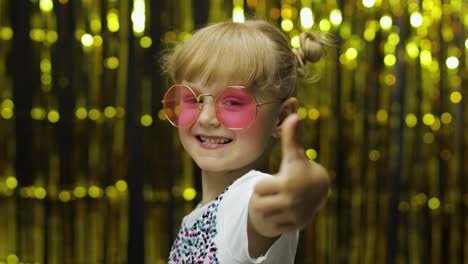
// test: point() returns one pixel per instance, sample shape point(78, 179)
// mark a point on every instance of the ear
point(287, 107)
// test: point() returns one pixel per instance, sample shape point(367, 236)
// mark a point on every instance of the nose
point(207, 116)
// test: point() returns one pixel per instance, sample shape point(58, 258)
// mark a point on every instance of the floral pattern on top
point(195, 243)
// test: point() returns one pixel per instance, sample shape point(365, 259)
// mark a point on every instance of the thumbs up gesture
point(289, 200)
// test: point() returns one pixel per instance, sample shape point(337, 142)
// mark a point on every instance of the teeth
point(214, 141)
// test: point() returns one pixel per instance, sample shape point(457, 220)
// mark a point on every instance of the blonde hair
point(255, 54)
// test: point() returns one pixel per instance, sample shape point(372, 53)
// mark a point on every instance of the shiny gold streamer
point(392, 98)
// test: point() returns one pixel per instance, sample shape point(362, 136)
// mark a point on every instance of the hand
point(289, 200)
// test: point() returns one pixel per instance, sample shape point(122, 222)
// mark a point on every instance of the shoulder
point(236, 198)
point(241, 189)
point(248, 179)
point(232, 222)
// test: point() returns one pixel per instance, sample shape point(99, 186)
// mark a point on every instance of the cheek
point(267, 122)
point(184, 135)
point(259, 133)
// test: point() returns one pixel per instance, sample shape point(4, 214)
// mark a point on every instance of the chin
point(213, 165)
point(218, 166)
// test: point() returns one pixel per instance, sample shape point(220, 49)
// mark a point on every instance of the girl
point(233, 98)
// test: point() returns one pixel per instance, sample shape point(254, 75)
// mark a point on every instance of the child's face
point(216, 148)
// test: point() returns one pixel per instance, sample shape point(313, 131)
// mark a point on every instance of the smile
point(213, 141)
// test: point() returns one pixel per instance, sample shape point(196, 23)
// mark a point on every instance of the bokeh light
point(146, 120)
point(452, 62)
point(238, 14)
point(416, 19)
point(145, 42)
point(385, 99)
point(87, 40)
point(351, 53)
point(46, 5)
point(139, 17)
point(53, 116)
point(295, 41)
point(455, 97)
point(311, 154)
point(189, 194)
point(412, 49)
point(386, 22)
point(307, 19)
point(324, 25)
point(411, 120)
point(336, 17)
point(368, 3)
point(113, 24)
point(287, 25)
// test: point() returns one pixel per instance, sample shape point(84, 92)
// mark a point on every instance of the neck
point(214, 183)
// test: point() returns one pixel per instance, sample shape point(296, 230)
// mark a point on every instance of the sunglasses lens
point(180, 106)
point(236, 107)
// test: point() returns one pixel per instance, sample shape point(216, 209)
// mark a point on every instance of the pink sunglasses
point(236, 108)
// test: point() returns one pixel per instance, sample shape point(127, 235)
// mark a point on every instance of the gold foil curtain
point(81, 128)
point(69, 203)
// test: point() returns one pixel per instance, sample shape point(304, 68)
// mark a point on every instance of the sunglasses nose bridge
point(207, 115)
point(200, 102)
point(203, 95)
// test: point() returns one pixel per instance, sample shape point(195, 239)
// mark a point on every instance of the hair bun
point(312, 47)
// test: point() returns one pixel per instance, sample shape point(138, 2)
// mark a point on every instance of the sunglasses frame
point(200, 104)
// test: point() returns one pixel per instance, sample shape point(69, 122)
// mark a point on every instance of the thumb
point(290, 147)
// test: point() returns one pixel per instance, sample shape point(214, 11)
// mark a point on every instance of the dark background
point(91, 173)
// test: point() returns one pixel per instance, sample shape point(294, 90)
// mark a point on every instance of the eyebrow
point(194, 87)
